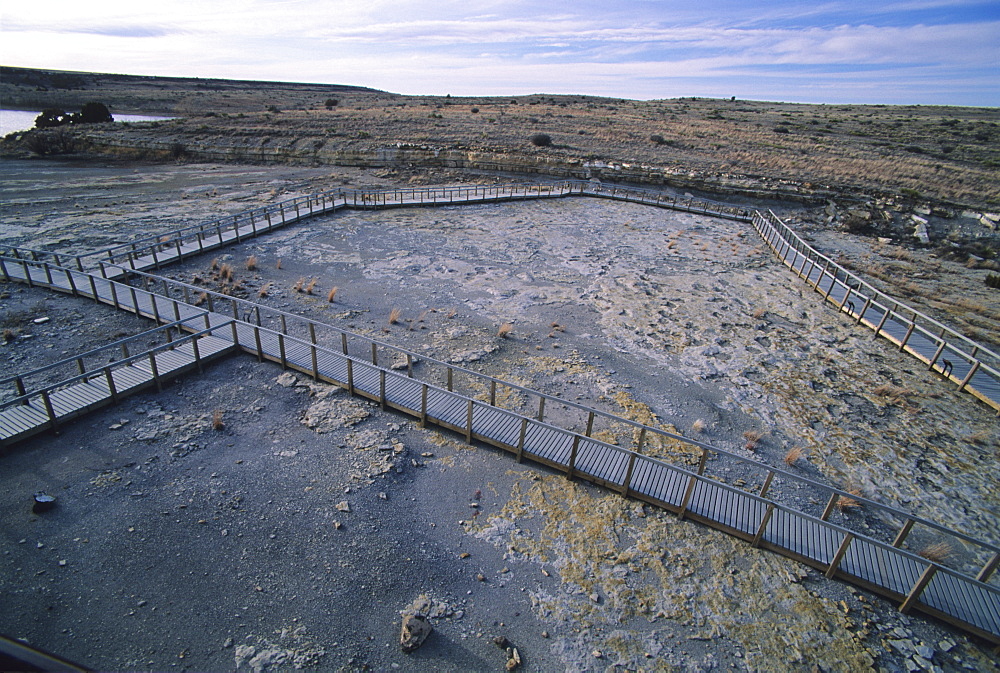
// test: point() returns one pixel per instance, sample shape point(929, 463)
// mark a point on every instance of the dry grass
point(226, 272)
point(752, 438)
point(846, 503)
point(394, 315)
point(793, 455)
point(331, 295)
point(265, 288)
point(760, 313)
point(505, 330)
point(252, 263)
point(895, 394)
point(9, 335)
point(201, 299)
point(311, 285)
point(979, 438)
point(214, 264)
point(298, 284)
point(217, 422)
point(277, 265)
point(938, 552)
point(698, 427)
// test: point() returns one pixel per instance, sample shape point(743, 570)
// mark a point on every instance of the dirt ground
point(295, 536)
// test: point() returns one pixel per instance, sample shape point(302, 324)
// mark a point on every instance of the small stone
point(382, 495)
point(414, 632)
point(514, 660)
point(480, 577)
point(545, 572)
point(597, 654)
point(464, 554)
point(545, 634)
point(62, 563)
point(501, 642)
point(342, 506)
point(227, 644)
point(40, 321)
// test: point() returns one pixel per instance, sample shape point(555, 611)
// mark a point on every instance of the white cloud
point(785, 49)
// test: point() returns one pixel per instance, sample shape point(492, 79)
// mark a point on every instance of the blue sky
point(906, 52)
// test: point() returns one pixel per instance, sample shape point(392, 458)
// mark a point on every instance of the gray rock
point(414, 632)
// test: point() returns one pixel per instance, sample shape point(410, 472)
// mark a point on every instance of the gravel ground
point(208, 549)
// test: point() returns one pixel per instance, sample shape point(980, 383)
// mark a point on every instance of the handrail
point(90, 374)
point(981, 361)
point(912, 595)
point(323, 202)
point(94, 351)
point(310, 324)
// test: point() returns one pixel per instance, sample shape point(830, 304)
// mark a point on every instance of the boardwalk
point(917, 583)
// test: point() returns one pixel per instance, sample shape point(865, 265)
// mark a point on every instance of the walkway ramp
point(95, 383)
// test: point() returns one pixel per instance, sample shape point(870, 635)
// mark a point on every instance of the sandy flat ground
point(208, 550)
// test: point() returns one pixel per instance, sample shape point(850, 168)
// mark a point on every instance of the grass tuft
point(298, 284)
point(311, 285)
point(698, 427)
point(331, 295)
point(505, 330)
point(752, 438)
point(217, 422)
point(793, 455)
point(265, 288)
point(394, 316)
point(277, 265)
point(252, 263)
point(226, 272)
point(938, 552)
point(845, 503)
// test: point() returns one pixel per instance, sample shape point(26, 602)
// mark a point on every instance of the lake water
point(22, 120)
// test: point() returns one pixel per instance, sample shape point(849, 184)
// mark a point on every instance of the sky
point(843, 51)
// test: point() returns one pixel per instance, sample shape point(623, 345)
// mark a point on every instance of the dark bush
point(50, 141)
point(781, 129)
point(657, 138)
point(93, 113)
point(993, 281)
point(51, 117)
point(331, 103)
point(541, 140)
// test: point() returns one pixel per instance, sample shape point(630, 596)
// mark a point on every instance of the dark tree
point(51, 117)
point(93, 113)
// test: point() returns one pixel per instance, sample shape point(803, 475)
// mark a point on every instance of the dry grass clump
point(793, 455)
point(978, 438)
point(298, 284)
point(311, 285)
point(895, 394)
point(252, 263)
point(201, 299)
point(760, 313)
point(331, 295)
point(217, 422)
point(394, 315)
point(226, 272)
point(277, 265)
point(214, 264)
point(752, 438)
point(264, 289)
point(9, 335)
point(505, 330)
point(698, 427)
point(938, 552)
point(846, 503)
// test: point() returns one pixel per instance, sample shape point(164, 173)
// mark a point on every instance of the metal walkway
point(973, 367)
point(38, 408)
point(961, 598)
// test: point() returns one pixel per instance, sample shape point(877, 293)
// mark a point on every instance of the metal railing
point(754, 514)
point(971, 365)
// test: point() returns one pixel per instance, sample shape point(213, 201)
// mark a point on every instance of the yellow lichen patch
point(618, 564)
point(655, 445)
